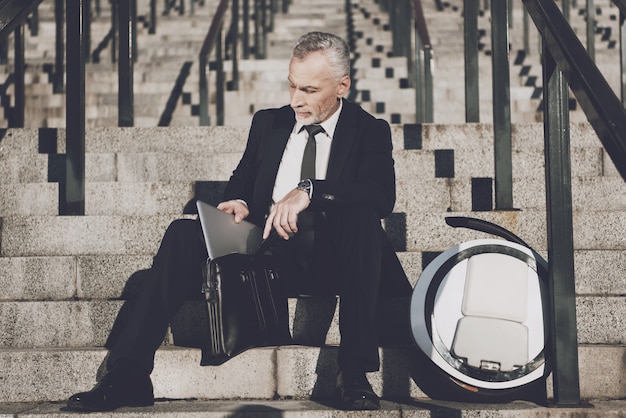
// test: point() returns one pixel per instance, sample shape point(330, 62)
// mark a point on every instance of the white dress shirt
point(288, 175)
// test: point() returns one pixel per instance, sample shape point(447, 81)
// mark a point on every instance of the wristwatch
point(306, 185)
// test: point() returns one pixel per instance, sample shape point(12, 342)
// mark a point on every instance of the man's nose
point(297, 99)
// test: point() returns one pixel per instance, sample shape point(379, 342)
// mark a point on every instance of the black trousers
point(353, 258)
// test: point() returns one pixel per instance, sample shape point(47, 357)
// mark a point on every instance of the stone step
point(422, 408)
point(48, 278)
point(288, 372)
point(87, 322)
point(231, 139)
point(313, 321)
point(432, 194)
point(416, 231)
point(175, 167)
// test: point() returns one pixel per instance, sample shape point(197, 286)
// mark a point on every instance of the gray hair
point(333, 47)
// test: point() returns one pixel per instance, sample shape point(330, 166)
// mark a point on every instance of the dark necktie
point(306, 219)
point(308, 159)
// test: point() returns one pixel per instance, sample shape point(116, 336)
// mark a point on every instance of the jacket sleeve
point(241, 182)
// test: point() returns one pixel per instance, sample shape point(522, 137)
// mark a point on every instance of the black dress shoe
point(356, 393)
point(111, 394)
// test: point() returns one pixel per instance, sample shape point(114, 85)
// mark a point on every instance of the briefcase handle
point(266, 243)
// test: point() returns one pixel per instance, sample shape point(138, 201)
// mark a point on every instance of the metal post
point(264, 29)
point(246, 29)
point(4, 51)
point(396, 23)
point(219, 80)
point(428, 84)
point(272, 10)
point(564, 343)
point(133, 25)
point(591, 29)
point(472, 102)
point(419, 80)
point(257, 29)
point(203, 91)
point(235, 53)
point(526, 32)
point(34, 22)
point(17, 120)
point(59, 54)
point(501, 106)
point(115, 10)
point(566, 9)
point(622, 55)
point(125, 65)
point(73, 199)
point(87, 30)
point(153, 17)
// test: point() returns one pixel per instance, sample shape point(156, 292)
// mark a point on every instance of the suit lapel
point(343, 140)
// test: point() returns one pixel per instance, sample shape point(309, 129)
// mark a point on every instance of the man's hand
point(236, 208)
point(284, 215)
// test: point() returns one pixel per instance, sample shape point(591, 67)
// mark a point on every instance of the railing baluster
point(219, 79)
point(153, 18)
point(17, 120)
point(87, 31)
point(235, 44)
point(418, 69)
point(428, 84)
point(125, 65)
point(422, 68)
point(591, 29)
point(563, 342)
point(501, 106)
point(203, 91)
point(622, 54)
point(72, 200)
point(246, 30)
point(59, 64)
point(472, 103)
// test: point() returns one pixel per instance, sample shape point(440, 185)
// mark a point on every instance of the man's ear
point(344, 86)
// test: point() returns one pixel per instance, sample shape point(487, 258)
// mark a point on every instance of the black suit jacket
point(360, 167)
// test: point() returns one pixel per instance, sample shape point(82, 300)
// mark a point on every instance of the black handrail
point(404, 17)
point(14, 13)
point(423, 70)
point(210, 41)
point(621, 5)
point(596, 98)
point(565, 61)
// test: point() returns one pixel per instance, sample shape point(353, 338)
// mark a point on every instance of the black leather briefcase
point(247, 305)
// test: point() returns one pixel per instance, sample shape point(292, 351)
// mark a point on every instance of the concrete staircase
point(63, 277)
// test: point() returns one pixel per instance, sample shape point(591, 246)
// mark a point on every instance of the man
point(342, 195)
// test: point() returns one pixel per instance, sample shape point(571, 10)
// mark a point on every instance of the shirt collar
point(329, 124)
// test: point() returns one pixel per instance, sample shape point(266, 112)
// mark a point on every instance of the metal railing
point(212, 41)
point(407, 17)
point(12, 16)
point(73, 18)
point(422, 66)
point(566, 63)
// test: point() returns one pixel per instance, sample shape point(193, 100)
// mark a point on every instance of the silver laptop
point(223, 236)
